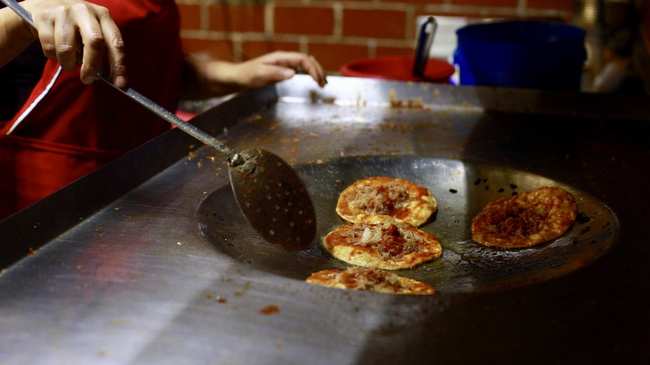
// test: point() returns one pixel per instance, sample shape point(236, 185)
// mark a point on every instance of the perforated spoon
point(268, 191)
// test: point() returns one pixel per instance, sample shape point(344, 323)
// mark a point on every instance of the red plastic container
point(398, 68)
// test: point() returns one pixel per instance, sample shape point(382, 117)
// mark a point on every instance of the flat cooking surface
point(465, 266)
point(137, 283)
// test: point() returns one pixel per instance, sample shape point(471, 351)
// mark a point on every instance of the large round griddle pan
point(461, 188)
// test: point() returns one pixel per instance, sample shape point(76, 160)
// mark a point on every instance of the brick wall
point(335, 32)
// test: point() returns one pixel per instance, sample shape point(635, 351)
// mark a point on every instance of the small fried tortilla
point(359, 278)
point(380, 195)
point(526, 219)
point(382, 243)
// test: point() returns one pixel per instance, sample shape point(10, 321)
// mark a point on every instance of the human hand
point(275, 67)
point(75, 31)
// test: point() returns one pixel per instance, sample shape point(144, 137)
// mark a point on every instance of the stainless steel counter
point(134, 282)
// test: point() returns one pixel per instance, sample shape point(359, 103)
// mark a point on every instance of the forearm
point(15, 34)
point(206, 77)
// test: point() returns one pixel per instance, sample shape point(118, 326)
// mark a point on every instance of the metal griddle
point(462, 190)
point(135, 271)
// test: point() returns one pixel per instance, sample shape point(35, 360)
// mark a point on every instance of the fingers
point(299, 61)
point(115, 47)
point(267, 74)
point(93, 42)
point(44, 23)
point(64, 40)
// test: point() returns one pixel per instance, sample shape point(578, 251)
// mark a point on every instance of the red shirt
point(66, 129)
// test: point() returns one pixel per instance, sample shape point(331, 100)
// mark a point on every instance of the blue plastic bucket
point(540, 55)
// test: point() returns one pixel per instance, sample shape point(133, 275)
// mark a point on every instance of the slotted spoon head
point(273, 198)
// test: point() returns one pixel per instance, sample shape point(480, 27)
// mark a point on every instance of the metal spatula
point(269, 192)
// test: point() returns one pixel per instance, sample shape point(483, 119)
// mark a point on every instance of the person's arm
point(214, 78)
point(70, 31)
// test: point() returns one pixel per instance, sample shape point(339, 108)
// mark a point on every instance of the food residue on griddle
point(513, 186)
point(270, 310)
point(222, 300)
point(585, 230)
point(453, 191)
point(501, 190)
point(397, 103)
point(477, 181)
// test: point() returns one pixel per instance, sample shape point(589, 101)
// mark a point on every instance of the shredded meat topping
point(513, 219)
point(389, 239)
point(385, 199)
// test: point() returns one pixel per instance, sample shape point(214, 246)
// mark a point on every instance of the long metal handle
point(425, 41)
point(141, 99)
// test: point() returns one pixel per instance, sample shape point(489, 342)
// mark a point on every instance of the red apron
point(66, 130)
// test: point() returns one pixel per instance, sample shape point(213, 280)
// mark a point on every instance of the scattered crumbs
point(31, 251)
point(212, 158)
point(582, 218)
point(513, 186)
point(585, 230)
point(209, 295)
point(477, 181)
point(501, 190)
point(270, 310)
point(328, 100)
point(320, 162)
point(453, 191)
point(179, 243)
point(221, 300)
point(243, 290)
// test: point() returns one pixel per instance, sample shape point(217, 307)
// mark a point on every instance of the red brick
point(221, 49)
point(511, 3)
point(374, 23)
point(563, 5)
point(190, 16)
point(333, 56)
point(255, 49)
point(304, 20)
point(238, 18)
point(426, 2)
point(394, 51)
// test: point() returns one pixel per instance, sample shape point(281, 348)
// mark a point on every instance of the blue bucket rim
point(574, 33)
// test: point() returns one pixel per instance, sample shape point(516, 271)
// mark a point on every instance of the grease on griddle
point(270, 310)
point(582, 218)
